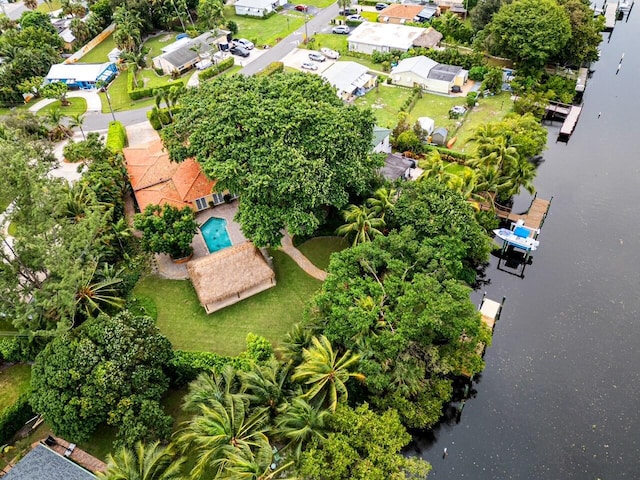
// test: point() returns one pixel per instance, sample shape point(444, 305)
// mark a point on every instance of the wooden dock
point(533, 218)
point(581, 81)
point(610, 13)
point(490, 311)
point(569, 124)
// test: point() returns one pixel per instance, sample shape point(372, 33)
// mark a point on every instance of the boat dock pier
point(569, 114)
point(533, 218)
point(610, 14)
point(581, 82)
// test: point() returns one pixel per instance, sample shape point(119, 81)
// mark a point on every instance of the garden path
point(303, 262)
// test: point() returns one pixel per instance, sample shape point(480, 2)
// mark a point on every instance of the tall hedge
point(273, 67)
point(226, 64)
point(116, 137)
point(14, 417)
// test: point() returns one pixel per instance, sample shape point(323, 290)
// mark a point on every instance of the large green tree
point(585, 33)
point(529, 32)
point(362, 445)
point(110, 370)
point(285, 143)
point(167, 230)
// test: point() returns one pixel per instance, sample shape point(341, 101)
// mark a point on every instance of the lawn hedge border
point(210, 72)
point(116, 137)
point(14, 417)
point(138, 93)
point(272, 68)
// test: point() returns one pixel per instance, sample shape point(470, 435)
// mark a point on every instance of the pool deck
point(166, 268)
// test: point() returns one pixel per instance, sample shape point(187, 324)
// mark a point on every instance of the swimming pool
point(214, 232)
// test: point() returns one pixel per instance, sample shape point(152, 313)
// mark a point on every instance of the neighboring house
point(43, 463)
point(183, 54)
point(230, 275)
point(114, 55)
point(427, 124)
point(381, 140)
point(439, 136)
point(397, 167)
point(81, 75)
point(349, 79)
point(397, 13)
point(382, 37)
point(257, 8)
point(156, 180)
point(428, 74)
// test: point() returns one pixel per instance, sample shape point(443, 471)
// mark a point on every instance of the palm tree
point(521, 176)
point(300, 423)
point(362, 223)
point(241, 466)
point(54, 117)
point(222, 432)
point(436, 167)
point(267, 385)
point(325, 373)
point(98, 292)
point(484, 136)
point(151, 462)
point(295, 341)
point(128, 33)
point(209, 388)
point(77, 120)
point(383, 201)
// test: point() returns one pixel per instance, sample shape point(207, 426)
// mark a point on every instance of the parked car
point(309, 66)
point(332, 54)
point(243, 42)
point(239, 50)
point(301, 7)
point(317, 57)
point(457, 110)
point(341, 29)
point(381, 6)
point(456, 89)
point(356, 18)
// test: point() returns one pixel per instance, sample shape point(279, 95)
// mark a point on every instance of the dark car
point(348, 11)
point(456, 89)
point(239, 50)
point(301, 8)
point(341, 29)
point(381, 6)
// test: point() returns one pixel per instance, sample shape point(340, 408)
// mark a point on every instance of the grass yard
point(120, 100)
point(385, 101)
point(78, 105)
point(265, 32)
point(48, 7)
point(14, 381)
point(370, 16)
point(319, 249)
point(99, 53)
point(329, 40)
point(489, 109)
point(319, 3)
point(270, 313)
point(156, 43)
point(436, 107)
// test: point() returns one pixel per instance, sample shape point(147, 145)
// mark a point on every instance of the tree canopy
point(285, 143)
point(529, 31)
point(107, 370)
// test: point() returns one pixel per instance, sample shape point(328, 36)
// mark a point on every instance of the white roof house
point(348, 78)
point(81, 75)
point(430, 75)
point(382, 37)
point(257, 8)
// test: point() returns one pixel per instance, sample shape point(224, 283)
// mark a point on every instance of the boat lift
point(521, 240)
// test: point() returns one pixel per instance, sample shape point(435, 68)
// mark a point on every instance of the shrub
point(14, 417)
point(184, 367)
point(232, 27)
point(477, 73)
point(19, 349)
point(273, 67)
point(352, 23)
point(159, 118)
point(214, 70)
point(116, 137)
point(258, 348)
point(471, 99)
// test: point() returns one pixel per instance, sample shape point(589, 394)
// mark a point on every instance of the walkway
point(303, 262)
point(92, 98)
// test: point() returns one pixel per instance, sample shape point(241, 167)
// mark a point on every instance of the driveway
point(298, 56)
point(141, 133)
point(91, 96)
point(311, 10)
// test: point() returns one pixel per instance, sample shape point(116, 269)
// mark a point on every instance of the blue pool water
point(215, 234)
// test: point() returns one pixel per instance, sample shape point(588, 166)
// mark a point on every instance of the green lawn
point(490, 109)
point(436, 107)
point(99, 53)
point(14, 381)
point(155, 44)
point(329, 40)
point(78, 105)
point(268, 31)
point(52, 6)
point(270, 313)
point(385, 101)
point(370, 16)
point(319, 3)
point(319, 249)
point(120, 100)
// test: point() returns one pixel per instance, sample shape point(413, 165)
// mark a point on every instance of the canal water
point(559, 398)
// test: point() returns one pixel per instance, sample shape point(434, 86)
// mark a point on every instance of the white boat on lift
point(519, 236)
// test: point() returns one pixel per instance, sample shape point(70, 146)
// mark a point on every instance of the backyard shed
point(439, 136)
point(81, 75)
point(430, 38)
point(349, 79)
point(382, 37)
point(230, 275)
point(381, 140)
point(427, 124)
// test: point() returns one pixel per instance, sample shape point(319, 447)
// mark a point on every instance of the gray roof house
point(183, 54)
point(397, 167)
point(429, 75)
point(349, 79)
point(42, 463)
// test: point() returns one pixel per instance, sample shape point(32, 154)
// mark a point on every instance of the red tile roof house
point(156, 180)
